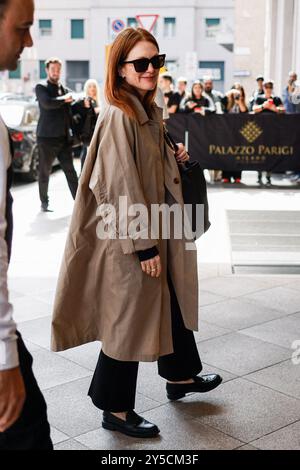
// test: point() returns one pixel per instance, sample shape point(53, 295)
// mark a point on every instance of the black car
point(21, 119)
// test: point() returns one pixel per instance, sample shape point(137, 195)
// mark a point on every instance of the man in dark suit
point(54, 131)
point(23, 411)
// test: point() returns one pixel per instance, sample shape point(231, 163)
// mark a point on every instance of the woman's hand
point(191, 104)
point(182, 155)
point(87, 103)
point(152, 267)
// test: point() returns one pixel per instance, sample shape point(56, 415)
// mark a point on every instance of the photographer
point(54, 131)
point(236, 100)
point(236, 103)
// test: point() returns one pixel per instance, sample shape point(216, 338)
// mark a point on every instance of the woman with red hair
point(136, 293)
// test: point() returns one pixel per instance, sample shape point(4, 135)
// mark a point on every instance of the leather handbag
point(194, 189)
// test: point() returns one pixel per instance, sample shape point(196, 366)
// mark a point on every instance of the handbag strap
point(172, 144)
point(169, 140)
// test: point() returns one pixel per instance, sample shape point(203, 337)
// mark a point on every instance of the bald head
point(16, 19)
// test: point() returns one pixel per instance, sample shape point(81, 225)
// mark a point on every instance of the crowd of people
point(60, 113)
point(203, 99)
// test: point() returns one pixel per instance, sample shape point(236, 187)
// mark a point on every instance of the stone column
point(296, 38)
point(279, 41)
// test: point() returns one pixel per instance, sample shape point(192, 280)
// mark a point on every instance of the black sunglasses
point(141, 65)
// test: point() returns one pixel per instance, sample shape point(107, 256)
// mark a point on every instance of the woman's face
point(268, 91)
point(92, 90)
point(197, 90)
point(144, 81)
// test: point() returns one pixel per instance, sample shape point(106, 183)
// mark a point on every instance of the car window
point(31, 116)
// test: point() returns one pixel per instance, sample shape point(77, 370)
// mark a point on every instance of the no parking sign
point(118, 26)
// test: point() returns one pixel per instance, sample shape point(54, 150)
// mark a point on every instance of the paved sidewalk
point(247, 327)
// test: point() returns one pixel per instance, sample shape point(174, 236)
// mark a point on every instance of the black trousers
point(113, 386)
point(49, 149)
point(32, 430)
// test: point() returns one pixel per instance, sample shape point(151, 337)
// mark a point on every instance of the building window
point(78, 72)
point(132, 23)
point(43, 73)
point(45, 27)
point(212, 27)
point(172, 67)
point(16, 74)
point(213, 70)
point(169, 27)
point(77, 29)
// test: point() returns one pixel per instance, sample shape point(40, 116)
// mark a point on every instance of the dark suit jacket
point(55, 115)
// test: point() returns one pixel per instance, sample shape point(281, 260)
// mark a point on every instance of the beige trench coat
point(102, 292)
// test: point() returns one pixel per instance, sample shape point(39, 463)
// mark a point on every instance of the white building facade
point(282, 44)
point(267, 41)
point(196, 35)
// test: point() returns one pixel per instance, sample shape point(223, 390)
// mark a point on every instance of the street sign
point(118, 26)
point(147, 21)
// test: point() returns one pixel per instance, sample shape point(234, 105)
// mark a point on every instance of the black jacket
point(55, 115)
point(84, 121)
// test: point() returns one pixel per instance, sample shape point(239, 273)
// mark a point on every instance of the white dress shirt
point(8, 339)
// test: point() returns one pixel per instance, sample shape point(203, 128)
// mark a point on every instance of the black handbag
point(194, 189)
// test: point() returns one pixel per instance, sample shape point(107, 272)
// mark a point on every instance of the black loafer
point(45, 208)
point(202, 384)
point(134, 426)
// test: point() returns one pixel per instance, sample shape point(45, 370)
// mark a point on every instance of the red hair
point(117, 90)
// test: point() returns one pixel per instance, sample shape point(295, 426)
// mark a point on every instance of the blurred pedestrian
point(87, 111)
point(137, 294)
point(215, 98)
point(23, 411)
point(288, 94)
point(268, 103)
point(216, 105)
point(179, 97)
point(258, 92)
point(166, 85)
point(54, 131)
